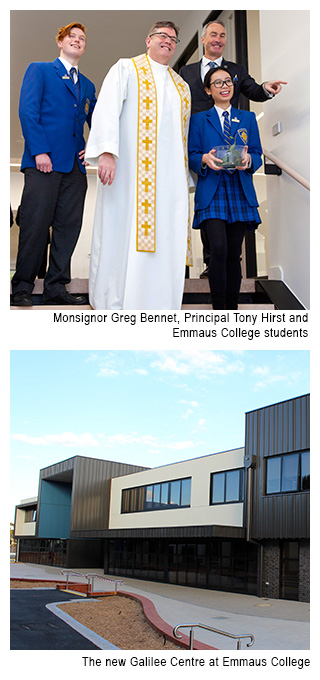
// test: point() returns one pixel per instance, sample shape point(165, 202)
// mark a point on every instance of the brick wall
point(304, 572)
point(271, 570)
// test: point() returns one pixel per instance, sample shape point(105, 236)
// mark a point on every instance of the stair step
point(202, 286)
point(196, 295)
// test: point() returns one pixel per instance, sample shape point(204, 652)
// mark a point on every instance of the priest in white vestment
point(138, 140)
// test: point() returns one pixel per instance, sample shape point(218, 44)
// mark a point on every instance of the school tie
point(227, 132)
point(76, 82)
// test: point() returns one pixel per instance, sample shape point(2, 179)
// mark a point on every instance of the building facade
point(236, 520)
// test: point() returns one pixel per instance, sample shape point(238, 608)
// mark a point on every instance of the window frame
point(140, 492)
point(283, 458)
point(225, 473)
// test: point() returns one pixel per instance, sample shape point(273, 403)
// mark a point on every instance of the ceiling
point(111, 34)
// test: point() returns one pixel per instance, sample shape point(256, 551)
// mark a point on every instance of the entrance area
point(220, 564)
point(289, 584)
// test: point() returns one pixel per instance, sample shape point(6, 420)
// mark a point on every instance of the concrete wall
point(285, 43)
point(200, 512)
point(23, 528)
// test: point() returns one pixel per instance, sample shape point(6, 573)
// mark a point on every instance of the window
point(160, 496)
point(226, 487)
point(30, 515)
point(288, 473)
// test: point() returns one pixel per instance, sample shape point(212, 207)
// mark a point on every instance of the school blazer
point(51, 118)
point(204, 134)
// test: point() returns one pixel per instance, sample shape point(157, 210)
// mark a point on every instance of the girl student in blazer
point(226, 204)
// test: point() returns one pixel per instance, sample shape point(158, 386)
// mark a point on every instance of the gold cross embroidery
point(146, 205)
point(145, 226)
point(146, 163)
point(147, 142)
point(146, 184)
point(147, 101)
point(147, 122)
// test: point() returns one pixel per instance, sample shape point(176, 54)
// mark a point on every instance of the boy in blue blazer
point(55, 102)
point(225, 201)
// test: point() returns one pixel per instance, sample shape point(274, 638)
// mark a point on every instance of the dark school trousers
point(54, 199)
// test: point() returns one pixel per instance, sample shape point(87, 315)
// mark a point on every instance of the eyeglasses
point(220, 83)
point(163, 36)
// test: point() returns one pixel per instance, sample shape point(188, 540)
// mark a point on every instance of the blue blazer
point(51, 118)
point(204, 134)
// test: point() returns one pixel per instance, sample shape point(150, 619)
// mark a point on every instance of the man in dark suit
point(213, 39)
point(55, 102)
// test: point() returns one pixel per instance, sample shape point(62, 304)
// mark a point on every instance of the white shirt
point(220, 114)
point(205, 65)
point(68, 66)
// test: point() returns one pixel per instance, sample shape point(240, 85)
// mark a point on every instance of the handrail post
point(191, 638)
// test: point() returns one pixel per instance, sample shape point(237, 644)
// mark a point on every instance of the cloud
point(202, 363)
point(266, 377)
point(107, 372)
point(87, 440)
point(64, 439)
point(178, 446)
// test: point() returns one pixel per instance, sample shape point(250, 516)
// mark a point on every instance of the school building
point(236, 521)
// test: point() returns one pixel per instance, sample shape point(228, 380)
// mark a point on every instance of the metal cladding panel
point(91, 492)
point(64, 468)
point(274, 430)
point(279, 428)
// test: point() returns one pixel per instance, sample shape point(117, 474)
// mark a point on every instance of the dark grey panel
point(275, 430)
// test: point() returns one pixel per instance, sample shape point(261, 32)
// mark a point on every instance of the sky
point(147, 408)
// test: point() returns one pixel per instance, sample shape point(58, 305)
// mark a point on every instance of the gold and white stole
point(147, 151)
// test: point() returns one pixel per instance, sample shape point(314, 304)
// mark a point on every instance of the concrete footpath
point(275, 624)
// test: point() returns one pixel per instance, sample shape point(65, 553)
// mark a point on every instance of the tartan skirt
point(229, 204)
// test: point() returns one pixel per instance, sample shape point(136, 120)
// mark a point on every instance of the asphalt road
point(35, 627)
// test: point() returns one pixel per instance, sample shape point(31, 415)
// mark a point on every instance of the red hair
point(65, 30)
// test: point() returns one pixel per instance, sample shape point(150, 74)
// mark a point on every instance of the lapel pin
point(235, 120)
point(65, 78)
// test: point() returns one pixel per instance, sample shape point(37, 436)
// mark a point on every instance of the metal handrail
point(90, 577)
point(103, 578)
point(295, 175)
point(70, 572)
point(192, 626)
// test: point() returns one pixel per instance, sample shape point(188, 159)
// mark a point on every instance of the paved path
point(276, 624)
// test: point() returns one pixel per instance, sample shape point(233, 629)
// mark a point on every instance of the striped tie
point(75, 80)
point(227, 133)
point(226, 128)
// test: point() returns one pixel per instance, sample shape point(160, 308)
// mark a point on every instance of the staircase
point(196, 295)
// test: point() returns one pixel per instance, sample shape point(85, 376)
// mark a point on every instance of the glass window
point(156, 496)
point(233, 486)
point(125, 500)
point(164, 494)
point(305, 470)
point(218, 487)
point(288, 473)
point(175, 493)
point(149, 495)
point(227, 487)
point(160, 496)
point(290, 467)
point(273, 475)
point(185, 491)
